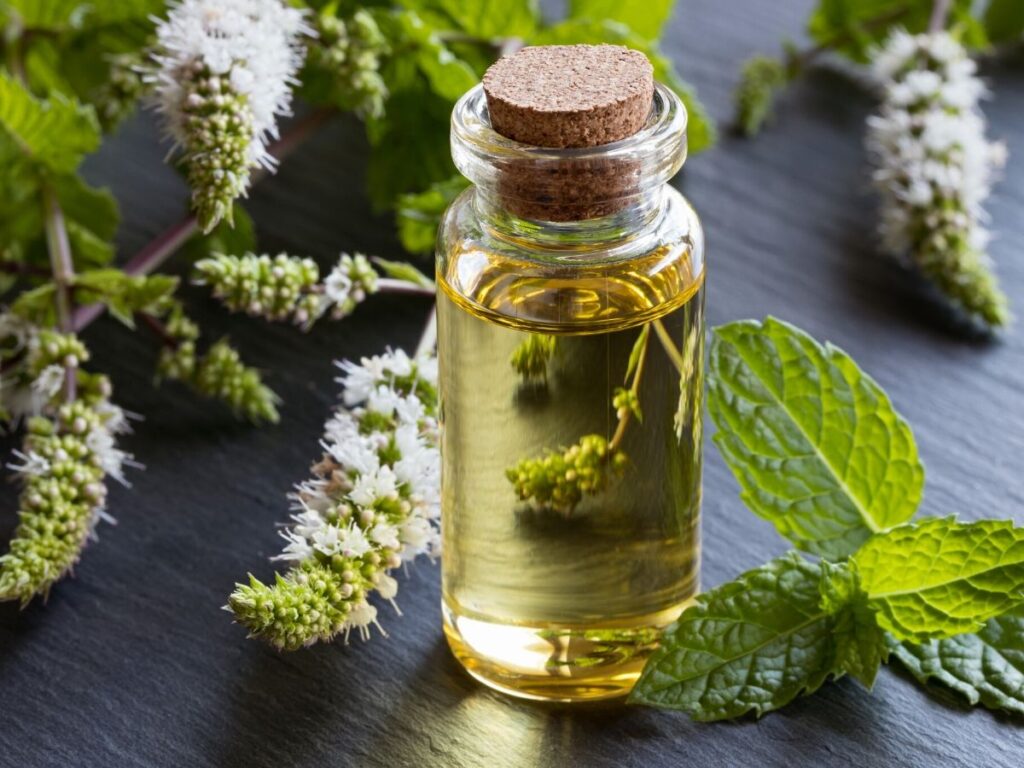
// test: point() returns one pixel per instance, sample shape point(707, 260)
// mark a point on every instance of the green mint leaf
point(419, 213)
point(1004, 20)
point(64, 15)
point(860, 642)
point(87, 248)
point(938, 578)
point(645, 17)
point(37, 305)
point(401, 270)
point(700, 130)
point(986, 668)
point(410, 145)
point(813, 441)
point(449, 76)
point(123, 294)
point(49, 15)
point(750, 645)
point(92, 207)
point(54, 133)
point(483, 18)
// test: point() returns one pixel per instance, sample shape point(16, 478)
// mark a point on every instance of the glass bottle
point(570, 343)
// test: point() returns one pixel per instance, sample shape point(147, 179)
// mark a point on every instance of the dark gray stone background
point(132, 662)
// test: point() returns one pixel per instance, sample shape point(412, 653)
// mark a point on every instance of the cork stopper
point(563, 96)
point(569, 97)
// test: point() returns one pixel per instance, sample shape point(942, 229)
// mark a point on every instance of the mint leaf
point(986, 668)
point(420, 213)
point(645, 17)
point(484, 18)
point(449, 77)
point(124, 295)
point(54, 133)
point(400, 270)
point(410, 148)
point(813, 441)
point(62, 15)
point(938, 578)
point(750, 645)
point(90, 207)
point(860, 642)
point(1004, 20)
point(700, 130)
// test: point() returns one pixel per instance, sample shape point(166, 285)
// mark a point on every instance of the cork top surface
point(570, 95)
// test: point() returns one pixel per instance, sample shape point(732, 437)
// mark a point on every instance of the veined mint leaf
point(700, 130)
point(750, 645)
point(419, 213)
point(860, 642)
point(645, 17)
point(55, 133)
point(813, 441)
point(986, 668)
point(938, 578)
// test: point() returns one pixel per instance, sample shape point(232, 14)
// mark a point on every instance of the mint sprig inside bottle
point(570, 297)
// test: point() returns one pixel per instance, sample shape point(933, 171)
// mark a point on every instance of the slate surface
point(133, 663)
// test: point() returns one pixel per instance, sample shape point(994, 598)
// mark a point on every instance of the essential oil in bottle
point(571, 328)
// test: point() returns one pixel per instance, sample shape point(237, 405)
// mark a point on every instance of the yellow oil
point(566, 601)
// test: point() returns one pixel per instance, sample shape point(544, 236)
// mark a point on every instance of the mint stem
point(63, 270)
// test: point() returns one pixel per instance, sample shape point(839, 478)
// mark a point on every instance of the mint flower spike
point(349, 52)
point(66, 455)
point(221, 374)
point(223, 74)
point(935, 168)
point(287, 287)
point(371, 505)
point(276, 288)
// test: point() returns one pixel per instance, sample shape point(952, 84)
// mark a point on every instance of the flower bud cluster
point(349, 52)
point(934, 168)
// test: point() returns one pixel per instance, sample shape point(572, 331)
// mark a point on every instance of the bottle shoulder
point(573, 287)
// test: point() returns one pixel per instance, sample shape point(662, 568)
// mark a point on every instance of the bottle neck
point(634, 215)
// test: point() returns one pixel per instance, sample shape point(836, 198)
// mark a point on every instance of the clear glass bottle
point(571, 366)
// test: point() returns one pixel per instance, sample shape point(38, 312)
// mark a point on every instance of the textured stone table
point(133, 663)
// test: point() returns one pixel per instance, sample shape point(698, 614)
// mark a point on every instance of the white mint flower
point(31, 463)
point(48, 382)
point(372, 505)
point(225, 70)
point(934, 167)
